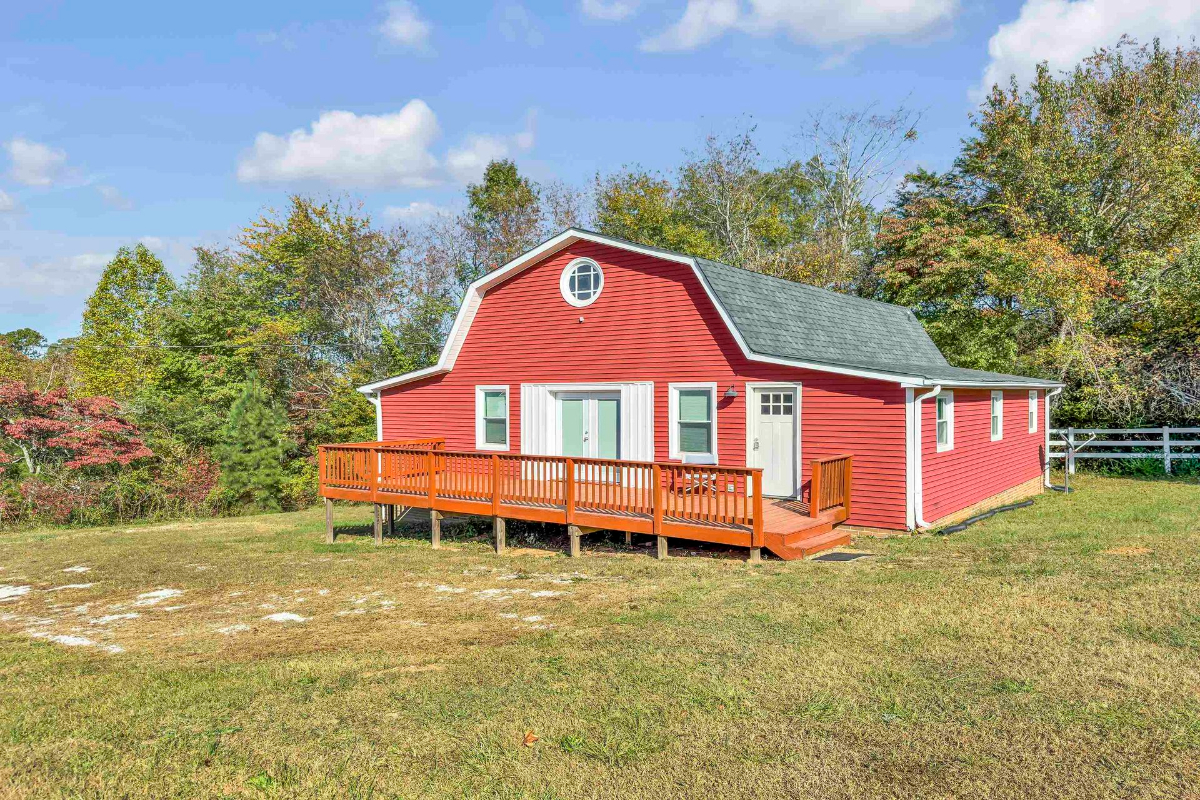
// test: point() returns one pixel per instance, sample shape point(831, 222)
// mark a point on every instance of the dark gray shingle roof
point(781, 318)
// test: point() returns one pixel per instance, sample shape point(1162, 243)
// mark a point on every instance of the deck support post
point(498, 528)
point(573, 533)
point(662, 547)
point(329, 535)
point(378, 523)
point(755, 555)
point(391, 520)
point(435, 527)
point(628, 539)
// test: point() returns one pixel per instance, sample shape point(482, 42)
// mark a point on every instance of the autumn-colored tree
point(50, 431)
point(119, 350)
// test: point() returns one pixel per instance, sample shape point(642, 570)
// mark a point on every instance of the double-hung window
point(491, 417)
point(1033, 397)
point(944, 421)
point(694, 422)
point(997, 415)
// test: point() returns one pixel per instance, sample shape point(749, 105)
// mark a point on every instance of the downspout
point(1049, 394)
point(375, 401)
point(919, 489)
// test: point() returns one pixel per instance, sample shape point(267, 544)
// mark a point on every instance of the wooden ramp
point(706, 503)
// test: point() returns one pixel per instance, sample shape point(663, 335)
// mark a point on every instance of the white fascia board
point(475, 292)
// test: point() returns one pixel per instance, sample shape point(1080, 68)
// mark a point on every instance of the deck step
point(809, 545)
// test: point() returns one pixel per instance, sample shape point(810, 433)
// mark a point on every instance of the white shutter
point(539, 424)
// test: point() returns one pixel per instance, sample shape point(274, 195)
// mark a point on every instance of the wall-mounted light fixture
point(731, 392)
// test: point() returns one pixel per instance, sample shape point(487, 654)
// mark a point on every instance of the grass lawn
point(1050, 652)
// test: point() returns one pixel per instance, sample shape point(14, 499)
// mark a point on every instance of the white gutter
point(1049, 394)
point(918, 490)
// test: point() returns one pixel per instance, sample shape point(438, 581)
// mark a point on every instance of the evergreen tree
point(252, 449)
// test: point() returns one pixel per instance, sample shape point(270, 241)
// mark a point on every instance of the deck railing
point(635, 496)
point(830, 487)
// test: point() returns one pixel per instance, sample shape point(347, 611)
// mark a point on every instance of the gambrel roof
point(773, 320)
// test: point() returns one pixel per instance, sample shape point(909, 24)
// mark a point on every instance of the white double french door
point(774, 429)
point(589, 424)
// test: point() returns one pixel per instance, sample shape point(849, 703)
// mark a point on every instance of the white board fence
point(1166, 443)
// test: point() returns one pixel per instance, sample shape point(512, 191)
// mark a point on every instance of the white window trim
point(949, 443)
point(673, 416)
point(1033, 411)
point(998, 418)
point(564, 283)
point(480, 444)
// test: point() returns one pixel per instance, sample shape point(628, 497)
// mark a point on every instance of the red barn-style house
point(612, 386)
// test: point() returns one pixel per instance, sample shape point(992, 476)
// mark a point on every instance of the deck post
point(846, 487)
point(496, 489)
point(628, 539)
point(435, 529)
point(329, 535)
point(814, 490)
point(391, 520)
point(378, 523)
point(373, 477)
point(755, 555)
point(662, 547)
point(573, 533)
point(431, 468)
point(569, 491)
point(498, 528)
point(756, 525)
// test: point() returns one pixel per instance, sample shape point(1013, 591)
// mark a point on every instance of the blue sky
point(177, 123)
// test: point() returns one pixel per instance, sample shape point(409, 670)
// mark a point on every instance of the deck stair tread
point(808, 543)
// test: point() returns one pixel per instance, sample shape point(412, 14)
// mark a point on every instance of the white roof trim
point(475, 292)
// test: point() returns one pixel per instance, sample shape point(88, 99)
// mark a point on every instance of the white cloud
point(609, 10)
point(1063, 33)
point(342, 148)
point(405, 26)
point(416, 211)
point(113, 197)
point(821, 23)
point(466, 162)
point(517, 24)
point(34, 163)
point(7, 203)
point(65, 275)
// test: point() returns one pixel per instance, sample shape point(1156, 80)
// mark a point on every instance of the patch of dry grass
point(1052, 651)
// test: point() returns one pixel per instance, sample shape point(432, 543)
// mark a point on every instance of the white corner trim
point(911, 468)
point(1046, 451)
point(377, 401)
point(673, 418)
point(480, 437)
point(1032, 411)
point(998, 434)
point(798, 389)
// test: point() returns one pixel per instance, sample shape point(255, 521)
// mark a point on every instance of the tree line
point(1063, 242)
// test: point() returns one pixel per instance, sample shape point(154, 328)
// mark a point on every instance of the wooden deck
point(706, 503)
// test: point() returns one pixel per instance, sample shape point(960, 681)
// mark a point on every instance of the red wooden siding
point(653, 321)
point(978, 468)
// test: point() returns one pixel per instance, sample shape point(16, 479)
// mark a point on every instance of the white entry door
point(589, 424)
point(773, 438)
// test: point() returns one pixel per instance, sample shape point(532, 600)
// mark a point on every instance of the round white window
point(581, 282)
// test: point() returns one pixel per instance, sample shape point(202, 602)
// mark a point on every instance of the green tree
point(252, 448)
point(119, 349)
point(503, 219)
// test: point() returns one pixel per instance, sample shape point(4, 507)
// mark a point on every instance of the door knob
point(756, 444)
